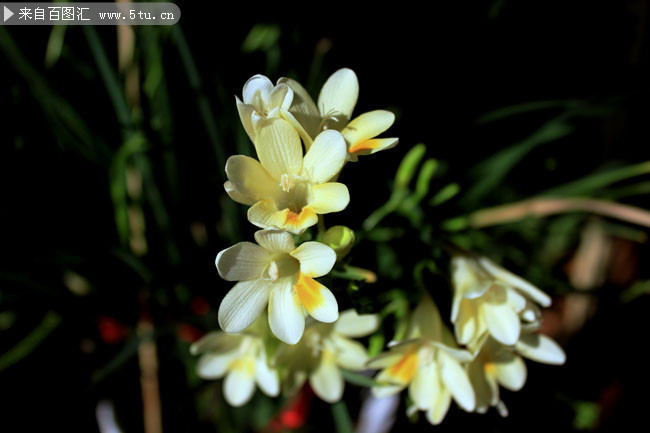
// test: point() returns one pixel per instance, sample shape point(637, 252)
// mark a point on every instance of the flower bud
point(340, 239)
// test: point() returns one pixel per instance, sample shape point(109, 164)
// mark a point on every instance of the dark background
point(439, 68)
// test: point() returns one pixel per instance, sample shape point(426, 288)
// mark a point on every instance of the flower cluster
point(301, 149)
point(282, 327)
point(495, 317)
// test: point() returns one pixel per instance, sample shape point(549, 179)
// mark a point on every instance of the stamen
point(286, 183)
point(274, 273)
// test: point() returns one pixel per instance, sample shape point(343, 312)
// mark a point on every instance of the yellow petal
point(325, 157)
point(373, 146)
point(279, 149)
point(237, 195)
point(317, 299)
point(403, 371)
point(250, 179)
point(339, 95)
point(265, 214)
point(329, 197)
point(367, 126)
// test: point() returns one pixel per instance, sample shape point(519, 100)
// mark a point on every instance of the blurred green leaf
point(262, 37)
point(408, 166)
point(639, 288)
point(342, 419)
point(491, 172)
point(359, 379)
point(526, 107)
point(592, 183)
point(28, 344)
point(445, 194)
point(54, 45)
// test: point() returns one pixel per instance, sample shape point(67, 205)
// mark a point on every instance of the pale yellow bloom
point(429, 364)
point(242, 360)
point(496, 364)
point(277, 274)
point(262, 101)
point(323, 351)
point(490, 300)
point(336, 103)
point(287, 191)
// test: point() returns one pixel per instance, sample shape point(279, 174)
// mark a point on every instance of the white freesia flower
point(496, 364)
point(429, 364)
point(490, 300)
point(277, 274)
point(242, 360)
point(262, 101)
point(285, 190)
point(323, 351)
point(336, 103)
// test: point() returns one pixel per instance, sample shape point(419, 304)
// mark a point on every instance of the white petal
point(243, 304)
point(215, 341)
point(540, 348)
point(237, 195)
point(303, 107)
point(281, 97)
point(316, 259)
point(516, 301)
point(329, 197)
point(367, 126)
point(497, 271)
point(243, 261)
point(277, 241)
point(457, 382)
point(325, 157)
point(239, 385)
point(245, 113)
point(258, 86)
point(214, 366)
point(279, 149)
point(339, 94)
point(352, 324)
point(502, 322)
point(267, 378)
point(327, 381)
point(317, 299)
point(351, 355)
point(439, 408)
point(511, 373)
point(466, 322)
point(426, 320)
point(485, 391)
point(286, 318)
point(250, 179)
point(425, 387)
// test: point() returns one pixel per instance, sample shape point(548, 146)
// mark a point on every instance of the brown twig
point(542, 207)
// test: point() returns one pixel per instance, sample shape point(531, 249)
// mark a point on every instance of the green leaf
point(491, 172)
point(262, 37)
point(592, 183)
point(28, 344)
point(359, 379)
point(342, 419)
point(407, 167)
point(445, 194)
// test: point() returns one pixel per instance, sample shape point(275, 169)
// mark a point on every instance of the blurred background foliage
point(533, 118)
